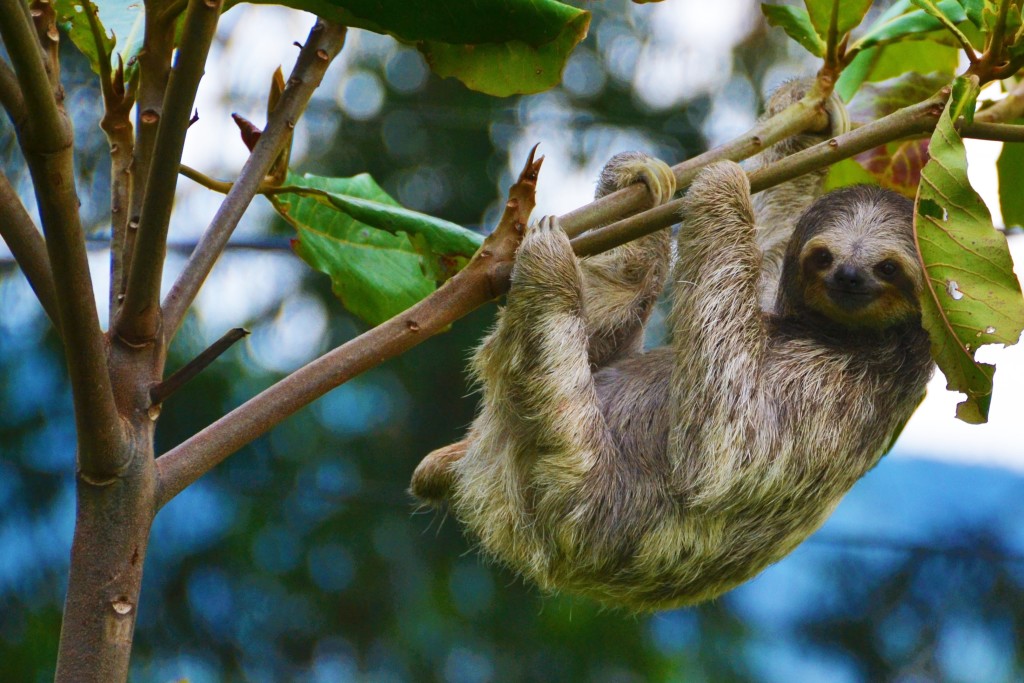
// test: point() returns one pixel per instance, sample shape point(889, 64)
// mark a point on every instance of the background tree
point(409, 633)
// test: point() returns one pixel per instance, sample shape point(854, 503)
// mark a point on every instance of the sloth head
point(852, 259)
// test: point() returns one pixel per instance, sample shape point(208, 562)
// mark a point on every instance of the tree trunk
point(113, 520)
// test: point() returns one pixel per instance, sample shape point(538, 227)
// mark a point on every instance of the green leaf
point(499, 47)
point(797, 25)
point(847, 172)
point(381, 257)
point(973, 9)
point(1010, 167)
point(893, 28)
point(895, 59)
point(876, 100)
point(122, 23)
point(971, 295)
point(850, 14)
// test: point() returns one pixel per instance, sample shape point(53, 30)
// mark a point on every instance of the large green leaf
point(1011, 169)
point(894, 27)
point(500, 47)
point(895, 59)
point(849, 14)
point(122, 23)
point(381, 257)
point(971, 295)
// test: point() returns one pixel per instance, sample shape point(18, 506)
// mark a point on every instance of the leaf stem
point(324, 42)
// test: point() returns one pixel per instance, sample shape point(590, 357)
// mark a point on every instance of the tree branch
point(485, 277)
point(806, 115)
point(10, 95)
point(911, 120)
point(27, 57)
point(47, 143)
point(153, 73)
point(28, 247)
point(161, 392)
point(139, 318)
point(324, 42)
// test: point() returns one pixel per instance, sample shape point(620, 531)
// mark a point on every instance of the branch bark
point(28, 247)
point(324, 42)
point(139, 319)
point(47, 143)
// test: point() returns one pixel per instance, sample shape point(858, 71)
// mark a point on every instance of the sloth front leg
point(621, 286)
point(534, 366)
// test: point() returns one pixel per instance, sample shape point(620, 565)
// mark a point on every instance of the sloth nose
point(850, 278)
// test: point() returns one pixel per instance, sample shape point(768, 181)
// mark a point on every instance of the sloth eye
point(887, 268)
point(821, 258)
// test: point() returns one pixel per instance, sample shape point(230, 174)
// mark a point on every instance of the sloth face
point(854, 259)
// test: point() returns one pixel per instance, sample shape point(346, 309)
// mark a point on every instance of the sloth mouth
point(850, 299)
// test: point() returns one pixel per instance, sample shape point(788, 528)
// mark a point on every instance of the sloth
point(657, 479)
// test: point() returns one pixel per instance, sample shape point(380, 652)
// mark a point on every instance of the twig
point(485, 277)
point(917, 118)
point(151, 85)
point(118, 101)
point(806, 115)
point(1004, 132)
point(28, 247)
point(10, 94)
point(27, 57)
point(48, 145)
point(324, 42)
point(1007, 109)
point(159, 393)
point(139, 318)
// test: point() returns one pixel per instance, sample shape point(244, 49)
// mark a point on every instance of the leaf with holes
point(381, 257)
point(971, 295)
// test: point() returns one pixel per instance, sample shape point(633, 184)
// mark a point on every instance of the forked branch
point(139, 318)
point(46, 140)
point(323, 44)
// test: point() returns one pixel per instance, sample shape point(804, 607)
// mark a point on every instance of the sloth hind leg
point(621, 286)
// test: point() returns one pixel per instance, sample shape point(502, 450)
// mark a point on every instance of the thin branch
point(160, 393)
point(806, 115)
point(28, 247)
point(485, 277)
point(1007, 109)
point(1004, 132)
point(324, 42)
point(152, 75)
point(19, 36)
point(10, 95)
point(47, 142)
point(139, 318)
point(911, 120)
point(118, 101)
